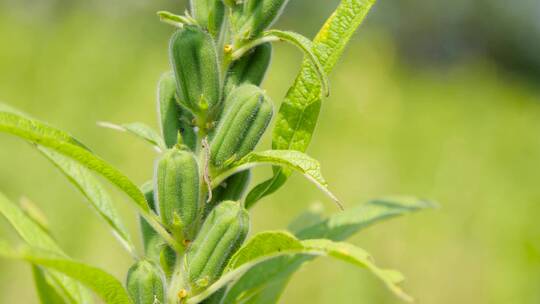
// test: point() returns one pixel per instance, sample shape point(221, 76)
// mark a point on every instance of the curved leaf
point(140, 130)
point(92, 189)
point(290, 159)
point(46, 291)
point(34, 235)
point(264, 283)
point(43, 135)
point(299, 111)
point(49, 137)
point(340, 226)
point(270, 245)
point(102, 283)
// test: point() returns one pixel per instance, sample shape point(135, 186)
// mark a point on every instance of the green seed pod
point(251, 68)
point(252, 17)
point(248, 111)
point(222, 233)
point(209, 14)
point(195, 66)
point(145, 283)
point(232, 189)
point(177, 185)
point(173, 118)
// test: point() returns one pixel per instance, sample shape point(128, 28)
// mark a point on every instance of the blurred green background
point(435, 99)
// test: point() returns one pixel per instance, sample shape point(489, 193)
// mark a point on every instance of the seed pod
point(195, 66)
point(232, 189)
point(252, 17)
point(248, 111)
point(222, 233)
point(145, 283)
point(172, 117)
point(177, 185)
point(209, 14)
point(251, 68)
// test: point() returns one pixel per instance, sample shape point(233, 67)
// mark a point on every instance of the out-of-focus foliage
point(466, 135)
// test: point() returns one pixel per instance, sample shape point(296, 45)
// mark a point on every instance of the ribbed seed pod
point(248, 111)
point(209, 14)
point(195, 65)
point(251, 68)
point(252, 17)
point(177, 185)
point(172, 117)
point(145, 283)
point(222, 233)
point(232, 189)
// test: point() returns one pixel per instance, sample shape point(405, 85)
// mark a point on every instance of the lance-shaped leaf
point(140, 130)
point(103, 284)
point(46, 290)
point(63, 143)
point(34, 235)
point(41, 134)
point(299, 111)
point(290, 159)
point(266, 282)
point(270, 245)
point(94, 192)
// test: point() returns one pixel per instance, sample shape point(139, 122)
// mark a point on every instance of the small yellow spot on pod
point(186, 242)
point(182, 293)
point(228, 49)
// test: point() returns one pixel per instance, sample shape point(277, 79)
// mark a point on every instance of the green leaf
point(290, 159)
point(265, 282)
point(41, 134)
point(263, 244)
point(267, 246)
point(140, 130)
point(33, 234)
point(359, 257)
point(61, 142)
point(341, 226)
point(103, 284)
point(46, 291)
point(94, 192)
point(299, 111)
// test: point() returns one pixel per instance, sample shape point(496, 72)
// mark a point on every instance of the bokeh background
point(440, 99)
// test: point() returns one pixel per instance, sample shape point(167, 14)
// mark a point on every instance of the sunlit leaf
point(34, 235)
point(299, 111)
point(290, 159)
point(267, 246)
point(43, 135)
point(103, 284)
point(46, 292)
point(265, 282)
point(92, 189)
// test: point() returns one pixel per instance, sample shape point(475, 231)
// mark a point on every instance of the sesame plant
point(195, 210)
